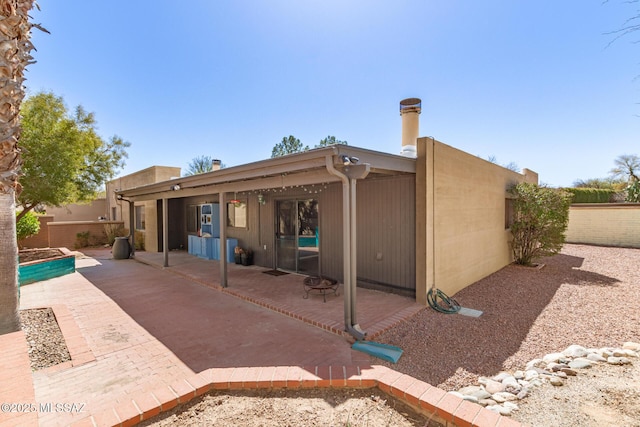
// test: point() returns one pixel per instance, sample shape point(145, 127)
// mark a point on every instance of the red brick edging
point(443, 407)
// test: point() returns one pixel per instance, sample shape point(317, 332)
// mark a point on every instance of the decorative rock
point(511, 405)
point(469, 398)
point(594, 357)
point(499, 392)
point(556, 381)
point(575, 351)
point(618, 361)
point(475, 391)
point(555, 367)
point(487, 402)
point(510, 381)
point(535, 363)
point(580, 363)
point(494, 386)
point(470, 390)
point(570, 372)
point(499, 409)
point(503, 397)
point(501, 376)
point(552, 357)
point(513, 389)
point(634, 346)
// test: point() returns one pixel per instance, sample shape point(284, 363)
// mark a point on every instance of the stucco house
point(430, 216)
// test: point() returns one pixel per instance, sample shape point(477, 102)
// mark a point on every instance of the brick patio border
point(445, 408)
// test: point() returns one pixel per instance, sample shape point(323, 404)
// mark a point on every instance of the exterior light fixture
point(175, 187)
point(346, 160)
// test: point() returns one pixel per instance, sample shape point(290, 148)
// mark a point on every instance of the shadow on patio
point(376, 311)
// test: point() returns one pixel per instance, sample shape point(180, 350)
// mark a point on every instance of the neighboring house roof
point(294, 169)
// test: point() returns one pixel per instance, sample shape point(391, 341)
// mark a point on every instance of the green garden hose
point(439, 301)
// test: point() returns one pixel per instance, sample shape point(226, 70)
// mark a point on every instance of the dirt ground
point(300, 408)
point(38, 254)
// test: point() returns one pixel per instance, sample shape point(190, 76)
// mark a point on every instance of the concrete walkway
point(144, 339)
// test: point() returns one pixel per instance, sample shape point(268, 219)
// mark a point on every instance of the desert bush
point(112, 231)
point(540, 219)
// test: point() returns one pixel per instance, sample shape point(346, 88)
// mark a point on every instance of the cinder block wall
point(607, 224)
point(460, 217)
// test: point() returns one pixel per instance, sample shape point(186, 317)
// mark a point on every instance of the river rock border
point(501, 392)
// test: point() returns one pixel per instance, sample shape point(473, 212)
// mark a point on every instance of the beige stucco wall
point(80, 212)
point(460, 217)
point(609, 224)
point(143, 177)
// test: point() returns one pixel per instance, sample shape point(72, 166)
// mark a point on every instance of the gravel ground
point(586, 295)
point(46, 343)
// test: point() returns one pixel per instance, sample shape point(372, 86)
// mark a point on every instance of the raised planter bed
point(43, 264)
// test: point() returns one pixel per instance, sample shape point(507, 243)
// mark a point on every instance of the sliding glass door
point(297, 236)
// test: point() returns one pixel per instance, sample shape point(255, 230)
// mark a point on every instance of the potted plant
point(237, 254)
point(246, 257)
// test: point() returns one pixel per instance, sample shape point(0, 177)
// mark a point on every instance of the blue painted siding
point(36, 272)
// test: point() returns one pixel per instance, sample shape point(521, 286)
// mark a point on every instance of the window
point(193, 218)
point(237, 215)
point(508, 213)
point(114, 214)
point(140, 221)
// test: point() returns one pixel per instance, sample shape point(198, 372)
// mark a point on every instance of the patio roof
point(336, 163)
point(304, 168)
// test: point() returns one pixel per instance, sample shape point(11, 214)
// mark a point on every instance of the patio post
point(165, 231)
point(223, 239)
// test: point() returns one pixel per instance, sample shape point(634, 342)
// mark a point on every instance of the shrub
point(540, 218)
point(82, 239)
point(591, 195)
point(27, 226)
point(139, 241)
point(114, 230)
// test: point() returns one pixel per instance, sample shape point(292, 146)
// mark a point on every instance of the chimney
point(215, 165)
point(409, 110)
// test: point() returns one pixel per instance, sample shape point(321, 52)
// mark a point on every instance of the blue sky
point(529, 82)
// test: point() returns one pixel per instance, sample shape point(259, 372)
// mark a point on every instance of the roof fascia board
point(317, 176)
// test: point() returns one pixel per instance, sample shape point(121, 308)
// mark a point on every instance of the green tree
point(627, 167)
point(65, 160)
point(330, 140)
point(15, 48)
point(540, 219)
point(288, 145)
point(601, 183)
point(27, 226)
point(200, 164)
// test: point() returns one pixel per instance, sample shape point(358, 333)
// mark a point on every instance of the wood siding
point(385, 215)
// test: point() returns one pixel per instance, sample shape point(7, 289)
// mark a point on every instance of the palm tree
point(14, 57)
